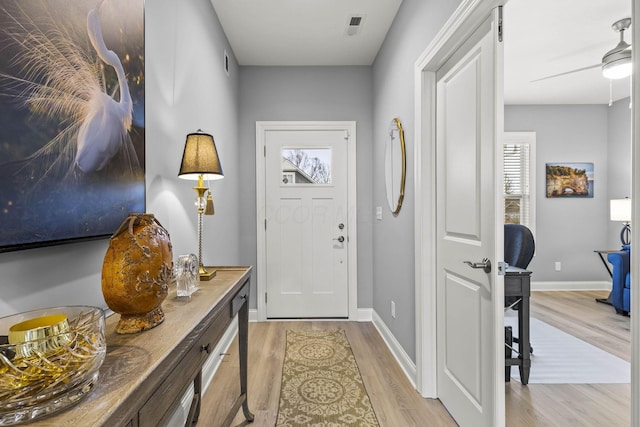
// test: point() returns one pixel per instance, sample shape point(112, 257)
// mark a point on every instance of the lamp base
point(206, 274)
point(625, 234)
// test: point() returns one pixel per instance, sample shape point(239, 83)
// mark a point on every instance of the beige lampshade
point(620, 210)
point(200, 157)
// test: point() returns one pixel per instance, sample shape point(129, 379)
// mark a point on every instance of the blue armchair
point(621, 281)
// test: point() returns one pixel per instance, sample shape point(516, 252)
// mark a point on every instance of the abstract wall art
point(72, 132)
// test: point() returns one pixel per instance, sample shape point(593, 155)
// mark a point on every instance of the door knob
point(485, 264)
point(340, 239)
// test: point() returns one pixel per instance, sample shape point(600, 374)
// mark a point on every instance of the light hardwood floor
point(395, 401)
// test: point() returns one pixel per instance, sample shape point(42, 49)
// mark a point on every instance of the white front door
point(469, 112)
point(307, 233)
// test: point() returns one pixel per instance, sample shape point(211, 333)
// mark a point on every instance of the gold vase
point(136, 272)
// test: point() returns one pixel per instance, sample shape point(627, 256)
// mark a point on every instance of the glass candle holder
point(186, 274)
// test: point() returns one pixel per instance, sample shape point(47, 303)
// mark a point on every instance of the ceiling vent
point(355, 24)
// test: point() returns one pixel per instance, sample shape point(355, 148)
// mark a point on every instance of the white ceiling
point(542, 38)
point(305, 32)
point(548, 37)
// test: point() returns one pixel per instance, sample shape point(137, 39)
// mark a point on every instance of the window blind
point(516, 180)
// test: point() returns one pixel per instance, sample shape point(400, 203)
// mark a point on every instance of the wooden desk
point(145, 375)
point(517, 283)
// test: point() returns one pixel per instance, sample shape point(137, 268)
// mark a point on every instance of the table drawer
point(166, 397)
point(241, 298)
point(517, 286)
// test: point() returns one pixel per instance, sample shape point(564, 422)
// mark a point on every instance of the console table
point(145, 375)
point(517, 283)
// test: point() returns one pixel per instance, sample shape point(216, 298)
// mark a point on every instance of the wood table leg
point(525, 339)
point(243, 339)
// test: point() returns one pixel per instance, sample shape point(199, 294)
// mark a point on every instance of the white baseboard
point(365, 315)
point(571, 286)
point(213, 362)
point(362, 315)
point(405, 362)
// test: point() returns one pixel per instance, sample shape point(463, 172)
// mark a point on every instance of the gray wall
point(416, 24)
point(188, 89)
point(185, 90)
point(568, 230)
point(308, 93)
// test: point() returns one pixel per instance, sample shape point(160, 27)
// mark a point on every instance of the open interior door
point(469, 124)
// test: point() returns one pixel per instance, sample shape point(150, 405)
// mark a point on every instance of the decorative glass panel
point(306, 166)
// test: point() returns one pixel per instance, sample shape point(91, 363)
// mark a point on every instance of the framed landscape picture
point(72, 133)
point(569, 180)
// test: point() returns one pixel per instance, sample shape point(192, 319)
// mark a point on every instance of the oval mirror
point(395, 166)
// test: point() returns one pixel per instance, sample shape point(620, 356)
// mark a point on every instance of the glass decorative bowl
point(49, 359)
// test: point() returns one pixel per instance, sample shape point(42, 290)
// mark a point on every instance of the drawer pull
point(206, 348)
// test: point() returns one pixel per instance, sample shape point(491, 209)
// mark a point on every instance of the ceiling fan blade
point(567, 72)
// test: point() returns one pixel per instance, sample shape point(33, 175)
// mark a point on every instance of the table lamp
point(620, 210)
point(199, 162)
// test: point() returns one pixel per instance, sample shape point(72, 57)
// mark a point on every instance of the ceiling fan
point(616, 63)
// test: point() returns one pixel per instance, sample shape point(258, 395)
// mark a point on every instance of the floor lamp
point(199, 162)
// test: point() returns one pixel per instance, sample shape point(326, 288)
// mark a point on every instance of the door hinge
point(346, 135)
point(500, 24)
point(265, 151)
point(265, 297)
point(265, 224)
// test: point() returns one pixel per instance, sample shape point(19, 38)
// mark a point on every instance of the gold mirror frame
point(395, 166)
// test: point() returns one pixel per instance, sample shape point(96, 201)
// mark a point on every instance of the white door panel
point(466, 142)
point(460, 89)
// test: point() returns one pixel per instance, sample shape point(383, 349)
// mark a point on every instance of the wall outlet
point(379, 213)
point(558, 266)
point(393, 309)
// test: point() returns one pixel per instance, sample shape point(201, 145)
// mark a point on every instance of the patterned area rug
point(321, 383)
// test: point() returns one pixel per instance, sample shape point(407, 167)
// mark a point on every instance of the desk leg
point(525, 339)
point(243, 339)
